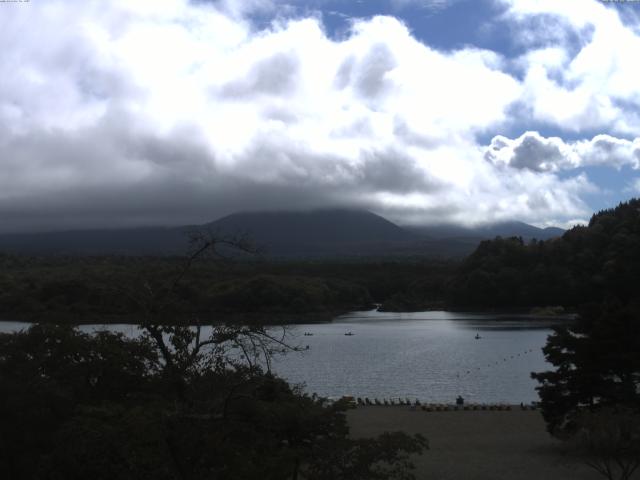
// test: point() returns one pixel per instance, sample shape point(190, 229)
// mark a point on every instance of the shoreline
point(267, 318)
point(429, 407)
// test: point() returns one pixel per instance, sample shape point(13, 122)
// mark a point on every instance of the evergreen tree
point(597, 365)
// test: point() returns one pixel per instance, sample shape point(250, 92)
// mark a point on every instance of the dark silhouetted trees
point(173, 403)
point(591, 263)
point(610, 440)
point(596, 365)
point(74, 405)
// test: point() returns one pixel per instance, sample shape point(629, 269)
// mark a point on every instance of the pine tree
point(597, 365)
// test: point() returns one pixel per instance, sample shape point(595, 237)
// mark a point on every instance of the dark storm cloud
point(536, 155)
point(112, 175)
point(394, 172)
point(534, 152)
point(287, 164)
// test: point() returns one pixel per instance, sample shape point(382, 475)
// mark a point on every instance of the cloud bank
point(170, 112)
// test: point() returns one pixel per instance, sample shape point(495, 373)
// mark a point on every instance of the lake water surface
point(431, 356)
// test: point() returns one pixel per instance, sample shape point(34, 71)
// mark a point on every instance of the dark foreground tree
point(610, 439)
point(597, 365)
point(74, 405)
point(587, 264)
point(593, 395)
point(177, 402)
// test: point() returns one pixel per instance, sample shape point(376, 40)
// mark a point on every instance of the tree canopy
point(174, 404)
point(587, 264)
point(596, 365)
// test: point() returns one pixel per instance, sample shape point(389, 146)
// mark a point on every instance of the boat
point(478, 337)
point(348, 334)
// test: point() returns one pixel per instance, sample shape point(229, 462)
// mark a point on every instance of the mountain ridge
point(498, 229)
point(313, 233)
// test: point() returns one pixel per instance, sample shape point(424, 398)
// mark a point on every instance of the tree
point(49, 373)
point(182, 349)
point(593, 263)
point(610, 438)
point(597, 365)
point(172, 404)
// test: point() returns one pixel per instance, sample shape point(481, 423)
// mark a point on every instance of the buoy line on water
point(435, 407)
point(504, 360)
point(469, 370)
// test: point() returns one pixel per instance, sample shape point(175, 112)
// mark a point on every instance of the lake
point(430, 356)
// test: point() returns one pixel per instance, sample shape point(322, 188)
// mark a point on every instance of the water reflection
point(431, 356)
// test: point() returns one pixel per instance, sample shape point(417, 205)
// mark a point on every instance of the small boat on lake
point(349, 334)
point(478, 337)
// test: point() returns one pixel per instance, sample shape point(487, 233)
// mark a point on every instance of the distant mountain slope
point(130, 241)
point(502, 229)
point(317, 233)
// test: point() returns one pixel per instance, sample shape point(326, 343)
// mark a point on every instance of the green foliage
point(272, 293)
point(107, 289)
point(610, 439)
point(103, 406)
point(171, 404)
point(48, 372)
point(383, 458)
point(596, 366)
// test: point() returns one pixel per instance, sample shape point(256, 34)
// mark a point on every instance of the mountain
point(317, 233)
point(312, 233)
point(502, 229)
point(126, 241)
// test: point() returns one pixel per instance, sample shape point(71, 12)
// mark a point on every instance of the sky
point(173, 112)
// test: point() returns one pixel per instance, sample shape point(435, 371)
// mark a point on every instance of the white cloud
point(170, 111)
point(534, 152)
point(588, 80)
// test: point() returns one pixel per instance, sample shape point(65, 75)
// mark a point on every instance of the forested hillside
point(587, 264)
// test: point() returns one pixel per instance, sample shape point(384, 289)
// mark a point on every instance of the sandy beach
point(477, 445)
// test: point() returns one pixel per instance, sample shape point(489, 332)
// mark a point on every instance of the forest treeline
point(107, 289)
